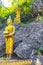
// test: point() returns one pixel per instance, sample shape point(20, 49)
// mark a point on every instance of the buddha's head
point(9, 21)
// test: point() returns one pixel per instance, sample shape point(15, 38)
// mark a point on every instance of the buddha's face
point(9, 22)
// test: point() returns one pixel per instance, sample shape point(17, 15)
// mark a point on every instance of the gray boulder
point(30, 36)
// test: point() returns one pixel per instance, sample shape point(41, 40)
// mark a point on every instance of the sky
point(7, 3)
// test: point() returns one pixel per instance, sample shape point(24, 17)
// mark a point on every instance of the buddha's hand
point(5, 33)
point(11, 34)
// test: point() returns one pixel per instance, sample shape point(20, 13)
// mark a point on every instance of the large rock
point(30, 36)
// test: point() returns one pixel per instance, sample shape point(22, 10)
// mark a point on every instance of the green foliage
point(25, 5)
point(5, 11)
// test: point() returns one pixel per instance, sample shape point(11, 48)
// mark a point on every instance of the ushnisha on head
point(9, 21)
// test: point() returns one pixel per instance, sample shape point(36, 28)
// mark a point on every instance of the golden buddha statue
point(9, 37)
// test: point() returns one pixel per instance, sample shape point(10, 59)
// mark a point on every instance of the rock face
point(2, 44)
point(28, 39)
point(38, 5)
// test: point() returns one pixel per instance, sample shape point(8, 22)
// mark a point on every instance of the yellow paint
point(9, 36)
point(20, 62)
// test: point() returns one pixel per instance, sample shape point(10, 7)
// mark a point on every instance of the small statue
point(37, 62)
point(17, 19)
point(38, 18)
point(9, 37)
